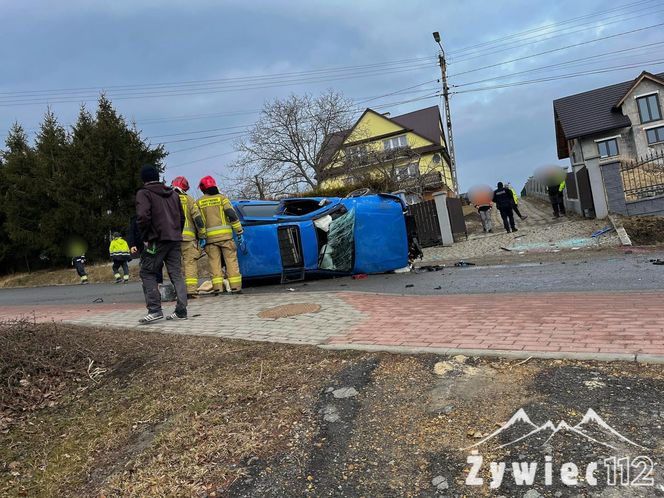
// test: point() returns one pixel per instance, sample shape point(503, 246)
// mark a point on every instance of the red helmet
point(181, 183)
point(207, 182)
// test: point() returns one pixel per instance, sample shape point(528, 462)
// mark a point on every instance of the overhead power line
point(521, 43)
point(557, 49)
point(213, 90)
point(389, 104)
point(560, 64)
point(459, 51)
point(259, 79)
point(562, 76)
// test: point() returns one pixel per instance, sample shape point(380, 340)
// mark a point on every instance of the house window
point(410, 171)
point(357, 152)
point(395, 143)
point(655, 135)
point(649, 108)
point(608, 148)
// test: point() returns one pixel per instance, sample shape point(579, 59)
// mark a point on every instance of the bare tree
point(284, 150)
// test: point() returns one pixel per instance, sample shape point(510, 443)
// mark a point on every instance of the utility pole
point(448, 117)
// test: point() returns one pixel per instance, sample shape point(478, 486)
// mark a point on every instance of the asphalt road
point(614, 273)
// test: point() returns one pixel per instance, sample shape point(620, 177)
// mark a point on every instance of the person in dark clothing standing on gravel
point(504, 200)
point(557, 198)
point(160, 221)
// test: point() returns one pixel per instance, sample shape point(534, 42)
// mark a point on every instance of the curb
point(620, 230)
point(499, 353)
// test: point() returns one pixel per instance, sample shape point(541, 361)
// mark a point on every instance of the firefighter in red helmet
point(194, 229)
point(220, 221)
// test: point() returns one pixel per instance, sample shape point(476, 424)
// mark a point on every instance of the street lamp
point(448, 117)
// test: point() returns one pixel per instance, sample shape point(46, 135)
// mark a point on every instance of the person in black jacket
point(160, 220)
point(504, 200)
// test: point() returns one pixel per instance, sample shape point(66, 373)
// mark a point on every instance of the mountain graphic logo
point(592, 427)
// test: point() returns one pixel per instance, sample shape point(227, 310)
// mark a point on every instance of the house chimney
point(386, 114)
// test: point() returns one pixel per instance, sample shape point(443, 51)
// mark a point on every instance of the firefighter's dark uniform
point(220, 221)
point(194, 229)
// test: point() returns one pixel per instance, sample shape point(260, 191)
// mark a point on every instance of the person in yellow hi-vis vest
point(119, 252)
point(193, 230)
point(220, 221)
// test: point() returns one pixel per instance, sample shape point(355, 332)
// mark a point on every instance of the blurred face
point(480, 194)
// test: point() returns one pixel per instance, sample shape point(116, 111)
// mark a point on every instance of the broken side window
point(338, 254)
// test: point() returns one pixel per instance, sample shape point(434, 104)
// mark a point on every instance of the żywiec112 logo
point(594, 454)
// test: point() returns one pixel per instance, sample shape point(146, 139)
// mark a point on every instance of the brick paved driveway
point(604, 325)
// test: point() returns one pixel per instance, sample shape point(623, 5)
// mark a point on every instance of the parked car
point(294, 238)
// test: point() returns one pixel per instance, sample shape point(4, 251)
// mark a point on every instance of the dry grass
point(89, 412)
point(67, 276)
point(101, 273)
point(126, 413)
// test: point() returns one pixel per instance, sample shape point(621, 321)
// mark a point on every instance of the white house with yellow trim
point(410, 148)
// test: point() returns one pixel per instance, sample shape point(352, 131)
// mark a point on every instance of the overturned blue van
point(295, 238)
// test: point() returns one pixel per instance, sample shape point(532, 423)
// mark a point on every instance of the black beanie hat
point(149, 173)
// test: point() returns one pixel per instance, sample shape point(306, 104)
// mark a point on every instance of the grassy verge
point(66, 276)
point(89, 412)
point(123, 413)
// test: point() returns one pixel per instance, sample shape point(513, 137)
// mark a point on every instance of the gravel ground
point(539, 233)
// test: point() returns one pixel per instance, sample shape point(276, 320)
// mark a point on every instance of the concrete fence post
point(440, 198)
point(614, 188)
point(597, 188)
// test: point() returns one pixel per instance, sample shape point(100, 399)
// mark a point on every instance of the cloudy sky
point(194, 73)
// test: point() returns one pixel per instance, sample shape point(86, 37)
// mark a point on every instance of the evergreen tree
point(51, 151)
point(22, 198)
point(67, 186)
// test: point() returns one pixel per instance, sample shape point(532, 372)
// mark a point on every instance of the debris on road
point(409, 286)
point(425, 268)
point(601, 231)
point(505, 248)
point(360, 276)
point(463, 263)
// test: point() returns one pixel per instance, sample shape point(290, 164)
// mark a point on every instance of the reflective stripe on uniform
point(188, 232)
point(235, 280)
point(217, 280)
point(219, 229)
point(190, 281)
point(209, 201)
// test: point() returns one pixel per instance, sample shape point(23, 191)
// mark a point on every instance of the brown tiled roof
point(590, 112)
point(424, 122)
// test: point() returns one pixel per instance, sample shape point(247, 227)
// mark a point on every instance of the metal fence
point(643, 178)
point(426, 220)
point(457, 220)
